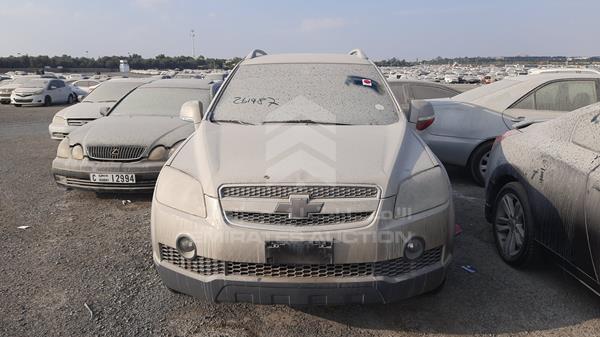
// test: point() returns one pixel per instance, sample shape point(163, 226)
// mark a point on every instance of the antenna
point(255, 53)
point(358, 53)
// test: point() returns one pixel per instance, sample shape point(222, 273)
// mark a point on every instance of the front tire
point(478, 163)
point(47, 101)
point(70, 99)
point(514, 227)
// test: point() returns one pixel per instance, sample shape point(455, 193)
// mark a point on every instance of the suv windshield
point(158, 101)
point(110, 91)
point(306, 93)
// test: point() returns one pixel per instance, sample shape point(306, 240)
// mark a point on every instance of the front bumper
point(295, 292)
point(27, 100)
point(233, 266)
point(4, 98)
point(60, 131)
point(73, 173)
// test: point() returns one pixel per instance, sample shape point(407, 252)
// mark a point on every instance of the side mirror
point(422, 114)
point(80, 98)
point(192, 111)
point(104, 110)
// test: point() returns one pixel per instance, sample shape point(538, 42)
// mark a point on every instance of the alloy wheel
point(510, 225)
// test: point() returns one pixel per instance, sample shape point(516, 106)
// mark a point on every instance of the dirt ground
point(82, 250)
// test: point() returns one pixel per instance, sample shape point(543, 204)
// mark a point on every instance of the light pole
point(193, 36)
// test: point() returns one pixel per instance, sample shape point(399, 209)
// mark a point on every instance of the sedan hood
point(27, 91)
point(302, 154)
point(146, 131)
point(83, 110)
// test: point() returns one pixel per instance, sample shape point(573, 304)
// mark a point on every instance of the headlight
point(59, 120)
point(424, 190)
point(158, 153)
point(174, 148)
point(63, 150)
point(180, 191)
point(39, 92)
point(77, 152)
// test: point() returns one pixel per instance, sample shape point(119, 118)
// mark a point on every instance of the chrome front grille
point(78, 122)
point(115, 152)
point(314, 192)
point(284, 219)
point(390, 268)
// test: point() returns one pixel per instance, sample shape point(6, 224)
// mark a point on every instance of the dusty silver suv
point(302, 184)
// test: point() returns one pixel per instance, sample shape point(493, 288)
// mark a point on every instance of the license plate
point(113, 178)
point(303, 252)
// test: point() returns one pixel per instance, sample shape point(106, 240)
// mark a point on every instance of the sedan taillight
point(424, 123)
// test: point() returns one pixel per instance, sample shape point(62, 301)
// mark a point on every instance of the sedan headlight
point(58, 120)
point(422, 191)
point(39, 92)
point(180, 191)
point(77, 152)
point(63, 150)
point(158, 153)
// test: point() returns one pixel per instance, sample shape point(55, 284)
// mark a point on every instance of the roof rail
point(255, 53)
point(358, 53)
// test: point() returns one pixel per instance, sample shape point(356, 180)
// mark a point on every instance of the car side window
point(587, 131)
point(59, 84)
point(526, 103)
point(566, 95)
point(426, 92)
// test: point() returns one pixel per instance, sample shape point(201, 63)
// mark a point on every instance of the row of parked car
point(309, 179)
point(44, 90)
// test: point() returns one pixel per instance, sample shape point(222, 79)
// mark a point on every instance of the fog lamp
point(186, 247)
point(414, 248)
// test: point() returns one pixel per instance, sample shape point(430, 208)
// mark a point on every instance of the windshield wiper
point(235, 121)
point(304, 121)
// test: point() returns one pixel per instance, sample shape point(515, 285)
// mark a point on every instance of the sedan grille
point(390, 268)
point(116, 152)
point(284, 219)
point(314, 192)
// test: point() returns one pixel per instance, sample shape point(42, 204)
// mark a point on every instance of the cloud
point(313, 25)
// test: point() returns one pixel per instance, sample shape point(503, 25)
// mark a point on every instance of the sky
point(227, 28)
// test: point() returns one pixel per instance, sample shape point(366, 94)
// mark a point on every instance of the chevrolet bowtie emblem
point(299, 207)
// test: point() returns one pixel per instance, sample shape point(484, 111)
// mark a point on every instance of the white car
point(42, 91)
point(92, 106)
point(84, 87)
point(9, 86)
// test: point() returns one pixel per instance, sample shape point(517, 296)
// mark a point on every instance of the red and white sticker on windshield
point(367, 82)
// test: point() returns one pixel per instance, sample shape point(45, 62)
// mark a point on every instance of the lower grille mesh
point(391, 268)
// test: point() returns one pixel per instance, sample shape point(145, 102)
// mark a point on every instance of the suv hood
point(83, 110)
point(132, 130)
point(220, 154)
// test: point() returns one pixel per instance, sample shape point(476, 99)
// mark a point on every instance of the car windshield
point(35, 84)
point(158, 101)
point(352, 94)
point(110, 91)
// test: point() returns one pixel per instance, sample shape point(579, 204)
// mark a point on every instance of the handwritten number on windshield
point(268, 101)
